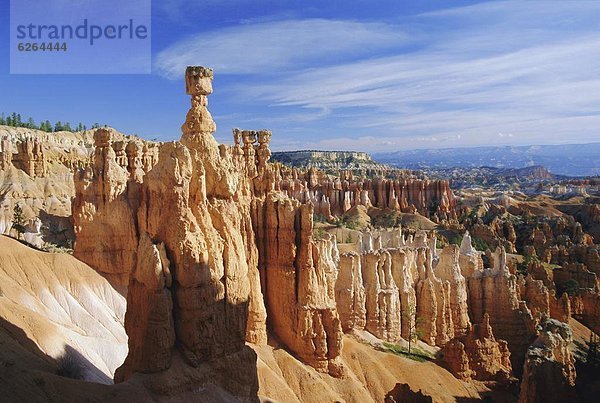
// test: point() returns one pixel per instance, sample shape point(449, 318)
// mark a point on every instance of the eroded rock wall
point(549, 370)
point(104, 214)
point(478, 355)
point(299, 276)
point(334, 197)
point(494, 291)
point(408, 288)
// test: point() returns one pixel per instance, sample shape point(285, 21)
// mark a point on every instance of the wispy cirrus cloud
point(462, 77)
point(278, 46)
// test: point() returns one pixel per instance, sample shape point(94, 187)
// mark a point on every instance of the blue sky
point(361, 75)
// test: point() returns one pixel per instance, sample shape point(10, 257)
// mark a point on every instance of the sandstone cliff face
point(549, 371)
point(44, 195)
point(299, 277)
point(216, 247)
point(151, 317)
point(104, 214)
point(382, 298)
point(494, 291)
point(37, 173)
point(586, 308)
point(350, 293)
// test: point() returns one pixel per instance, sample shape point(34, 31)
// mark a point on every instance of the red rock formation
point(31, 158)
point(448, 270)
point(478, 355)
point(5, 154)
point(402, 282)
point(104, 214)
point(585, 307)
point(350, 293)
point(196, 248)
point(577, 272)
point(150, 318)
point(337, 196)
point(494, 291)
point(382, 297)
point(298, 276)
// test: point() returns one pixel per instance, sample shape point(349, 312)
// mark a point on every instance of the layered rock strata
point(5, 154)
point(194, 220)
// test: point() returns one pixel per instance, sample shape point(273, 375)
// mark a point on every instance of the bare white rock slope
point(63, 306)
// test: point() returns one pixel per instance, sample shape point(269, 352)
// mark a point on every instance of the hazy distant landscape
point(568, 159)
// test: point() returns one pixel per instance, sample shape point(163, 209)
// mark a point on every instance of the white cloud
point(276, 46)
point(499, 72)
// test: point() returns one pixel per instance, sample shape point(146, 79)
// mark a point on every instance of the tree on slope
point(18, 221)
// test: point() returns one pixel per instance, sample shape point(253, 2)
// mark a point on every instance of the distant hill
point(532, 172)
point(568, 159)
point(327, 159)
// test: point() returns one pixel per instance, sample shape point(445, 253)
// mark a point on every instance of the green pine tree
point(58, 126)
point(18, 222)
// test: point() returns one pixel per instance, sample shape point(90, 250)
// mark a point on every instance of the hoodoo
point(242, 277)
